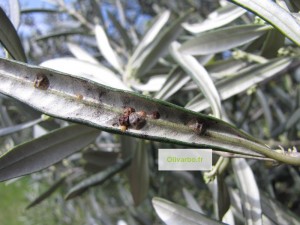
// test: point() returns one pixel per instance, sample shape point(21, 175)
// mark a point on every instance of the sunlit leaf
point(222, 39)
point(173, 214)
point(218, 18)
point(267, 10)
point(200, 76)
point(223, 68)
point(106, 49)
point(243, 80)
point(14, 14)
point(149, 37)
point(154, 83)
point(156, 50)
point(81, 54)
point(96, 73)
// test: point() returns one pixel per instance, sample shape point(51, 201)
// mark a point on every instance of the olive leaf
point(45, 151)
point(283, 21)
point(83, 101)
point(10, 39)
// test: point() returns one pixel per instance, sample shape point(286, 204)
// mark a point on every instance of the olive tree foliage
point(91, 95)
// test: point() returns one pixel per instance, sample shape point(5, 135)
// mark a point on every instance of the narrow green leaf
point(122, 31)
point(81, 54)
point(283, 4)
point(223, 68)
point(275, 15)
point(278, 213)
point(218, 18)
point(80, 100)
point(175, 81)
point(154, 83)
point(65, 32)
point(12, 129)
point(121, 13)
point(39, 10)
point(14, 13)
point(10, 39)
point(159, 47)
point(221, 201)
point(138, 173)
point(243, 80)
point(47, 193)
point(273, 42)
point(236, 202)
point(282, 97)
point(45, 151)
point(200, 76)
point(151, 34)
point(222, 39)
point(223, 196)
point(293, 120)
point(173, 214)
point(96, 179)
point(101, 158)
point(191, 201)
point(248, 191)
point(296, 5)
point(266, 108)
point(106, 49)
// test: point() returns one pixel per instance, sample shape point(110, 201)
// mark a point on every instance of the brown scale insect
point(196, 126)
point(137, 120)
point(124, 118)
point(142, 114)
point(133, 119)
point(128, 110)
point(41, 81)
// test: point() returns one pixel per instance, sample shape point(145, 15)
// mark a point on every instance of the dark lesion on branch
point(135, 120)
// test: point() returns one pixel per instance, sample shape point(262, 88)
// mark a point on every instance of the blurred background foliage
point(268, 109)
